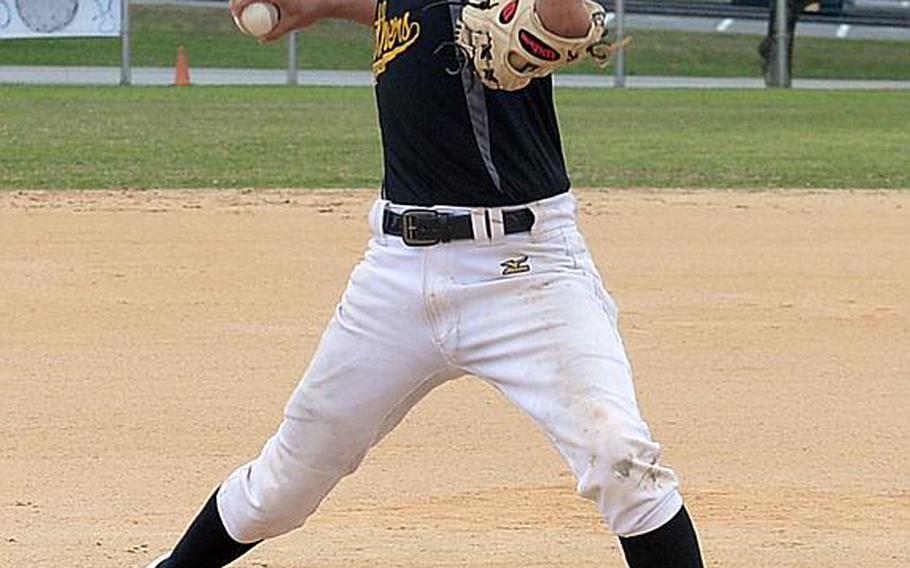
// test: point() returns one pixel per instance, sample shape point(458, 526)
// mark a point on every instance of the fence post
point(782, 64)
point(619, 61)
point(126, 75)
point(292, 58)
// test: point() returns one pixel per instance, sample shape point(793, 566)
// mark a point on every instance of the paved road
point(50, 75)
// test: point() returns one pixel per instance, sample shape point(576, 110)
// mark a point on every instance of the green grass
point(716, 55)
point(212, 41)
point(83, 138)
point(210, 38)
point(198, 137)
point(742, 139)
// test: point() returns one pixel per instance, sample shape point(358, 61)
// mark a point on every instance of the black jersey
point(448, 140)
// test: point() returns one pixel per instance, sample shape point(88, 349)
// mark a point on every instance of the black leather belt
point(427, 227)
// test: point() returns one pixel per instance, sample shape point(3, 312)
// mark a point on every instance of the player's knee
point(319, 442)
point(624, 477)
point(258, 502)
point(277, 492)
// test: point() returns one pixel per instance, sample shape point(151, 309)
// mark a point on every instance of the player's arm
point(567, 18)
point(296, 14)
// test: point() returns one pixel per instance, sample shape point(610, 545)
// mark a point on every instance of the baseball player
point(476, 266)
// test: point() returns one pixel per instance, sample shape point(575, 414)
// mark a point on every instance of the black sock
point(206, 543)
point(674, 545)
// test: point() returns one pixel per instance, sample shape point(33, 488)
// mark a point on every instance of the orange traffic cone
point(182, 71)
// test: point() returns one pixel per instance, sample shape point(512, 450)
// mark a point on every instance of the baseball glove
point(507, 44)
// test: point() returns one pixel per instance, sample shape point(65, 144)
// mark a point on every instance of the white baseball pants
point(412, 318)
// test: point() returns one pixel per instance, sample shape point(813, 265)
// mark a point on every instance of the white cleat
point(159, 560)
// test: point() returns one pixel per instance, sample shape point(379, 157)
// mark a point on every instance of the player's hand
point(294, 14)
point(566, 18)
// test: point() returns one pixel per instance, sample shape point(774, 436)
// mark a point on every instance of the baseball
point(258, 19)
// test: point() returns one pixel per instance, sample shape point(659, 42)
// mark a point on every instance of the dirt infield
point(148, 341)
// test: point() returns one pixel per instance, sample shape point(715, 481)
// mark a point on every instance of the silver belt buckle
point(410, 227)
